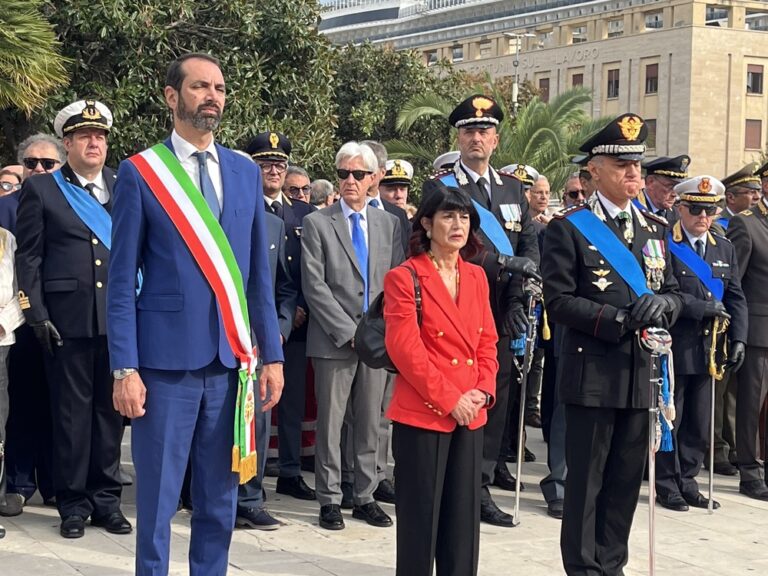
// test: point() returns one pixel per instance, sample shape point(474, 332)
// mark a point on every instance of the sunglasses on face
point(8, 187)
point(295, 190)
point(697, 210)
point(278, 167)
point(356, 174)
point(574, 194)
point(47, 163)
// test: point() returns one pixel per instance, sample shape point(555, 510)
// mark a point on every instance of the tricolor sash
point(489, 224)
point(698, 266)
point(93, 215)
point(184, 203)
point(608, 244)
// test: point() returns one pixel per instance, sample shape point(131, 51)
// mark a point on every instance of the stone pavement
point(733, 541)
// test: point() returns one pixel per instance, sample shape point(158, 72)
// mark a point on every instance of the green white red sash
point(183, 202)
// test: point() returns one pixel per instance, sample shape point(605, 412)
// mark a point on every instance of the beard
point(201, 120)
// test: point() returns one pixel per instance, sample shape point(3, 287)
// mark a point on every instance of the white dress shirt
point(99, 187)
point(693, 239)
point(184, 152)
point(347, 211)
point(11, 316)
point(613, 210)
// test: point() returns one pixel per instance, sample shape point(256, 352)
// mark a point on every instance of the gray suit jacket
point(331, 279)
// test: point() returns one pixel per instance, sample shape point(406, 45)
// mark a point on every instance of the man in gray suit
point(347, 249)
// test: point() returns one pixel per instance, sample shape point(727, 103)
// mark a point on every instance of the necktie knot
point(625, 223)
point(202, 156)
point(374, 202)
point(623, 216)
point(91, 187)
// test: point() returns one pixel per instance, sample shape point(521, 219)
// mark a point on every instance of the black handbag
point(369, 336)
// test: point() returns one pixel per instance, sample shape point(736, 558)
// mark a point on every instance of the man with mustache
point(190, 214)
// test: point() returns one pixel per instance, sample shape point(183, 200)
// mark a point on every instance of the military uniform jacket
point(691, 334)
point(748, 231)
point(602, 365)
point(509, 205)
point(61, 265)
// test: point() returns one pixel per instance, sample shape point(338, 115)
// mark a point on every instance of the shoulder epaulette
point(655, 217)
point(439, 173)
point(564, 212)
point(507, 174)
point(745, 213)
point(719, 236)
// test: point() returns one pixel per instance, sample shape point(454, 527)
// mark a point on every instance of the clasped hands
point(468, 406)
point(648, 310)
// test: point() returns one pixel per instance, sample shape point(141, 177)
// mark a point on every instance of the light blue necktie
point(206, 184)
point(361, 251)
point(374, 202)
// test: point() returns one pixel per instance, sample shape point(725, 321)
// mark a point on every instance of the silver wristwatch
point(122, 373)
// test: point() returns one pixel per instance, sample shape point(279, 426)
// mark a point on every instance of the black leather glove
point(648, 310)
point(519, 265)
point(714, 308)
point(736, 356)
point(516, 321)
point(47, 335)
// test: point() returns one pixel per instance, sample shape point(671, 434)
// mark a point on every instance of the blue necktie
point(206, 184)
point(361, 251)
point(374, 202)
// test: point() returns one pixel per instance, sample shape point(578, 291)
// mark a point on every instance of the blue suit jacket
point(174, 323)
point(285, 289)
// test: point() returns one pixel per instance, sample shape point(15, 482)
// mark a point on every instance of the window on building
point(754, 79)
point(650, 141)
point(577, 80)
point(457, 53)
point(753, 135)
point(613, 84)
point(544, 39)
point(652, 79)
point(756, 20)
point(716, 15)
point(654, 20)
point(431, 57)
point(484, 49)
point(544, 89)
point(615, 28)
point(578, 34)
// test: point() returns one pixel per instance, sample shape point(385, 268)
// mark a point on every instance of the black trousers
point(606, 449)
point(86, 429)
point(494, 431)
point(437, 500)
point(28, 451)
point(676, 471)
point(753, 386)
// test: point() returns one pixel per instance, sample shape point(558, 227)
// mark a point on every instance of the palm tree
point(30, 63)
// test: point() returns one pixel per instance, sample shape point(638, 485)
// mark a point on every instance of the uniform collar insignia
point(496, 176)
point(461, 176)
point(597, 208)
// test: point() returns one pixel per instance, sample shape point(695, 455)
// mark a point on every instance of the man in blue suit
point(175, 373)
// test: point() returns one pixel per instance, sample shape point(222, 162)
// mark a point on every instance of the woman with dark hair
point(446, 382)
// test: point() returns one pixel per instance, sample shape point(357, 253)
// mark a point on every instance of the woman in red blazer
point(446, 381)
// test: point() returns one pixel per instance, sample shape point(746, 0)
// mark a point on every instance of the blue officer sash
point(638, 204)
point(698, 266)
point(607, 243)
point(88, 209)
point(723, 222)
point(488, 222)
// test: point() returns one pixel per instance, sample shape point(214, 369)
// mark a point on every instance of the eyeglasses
point(277, 167)
point(295, 190)
point(356, 174)
point(697, 210)
point(47, 163)
point(574, 194)
point(8, 187)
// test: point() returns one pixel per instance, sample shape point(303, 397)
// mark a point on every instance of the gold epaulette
point(563, 213)
point(660, 219)
point(746, 213)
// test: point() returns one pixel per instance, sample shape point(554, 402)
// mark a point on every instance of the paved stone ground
point(733, 541)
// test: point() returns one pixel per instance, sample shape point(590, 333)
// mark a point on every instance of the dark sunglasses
point(357, 174)
point(697, 210)
point(574, 194)
point(47, 163)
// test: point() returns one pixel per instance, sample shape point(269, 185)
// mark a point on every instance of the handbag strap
point(417, 292)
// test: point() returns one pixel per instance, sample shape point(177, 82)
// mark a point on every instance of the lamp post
point(516, 64)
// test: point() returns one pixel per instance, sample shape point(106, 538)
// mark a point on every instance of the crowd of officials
point(143, 297)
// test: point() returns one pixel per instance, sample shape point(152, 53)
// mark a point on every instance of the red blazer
point(454, 351)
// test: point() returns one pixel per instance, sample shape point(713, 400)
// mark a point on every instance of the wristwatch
point(488, 399)
point(122, 373)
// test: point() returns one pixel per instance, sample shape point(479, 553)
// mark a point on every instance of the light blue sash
point(87, 208)
point(698, 266)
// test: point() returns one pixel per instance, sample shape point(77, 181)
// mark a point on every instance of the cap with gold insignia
point(762, 172)
point(700, 190)
point(675, 168)
point(446, 160)
point(269, 146)
point(82, 114)
point(623, 138)
point(398, 172)
point(743, 178)
point(479, 111)
point(526, 174)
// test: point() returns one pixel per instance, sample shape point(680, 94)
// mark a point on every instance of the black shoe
point(72, 527)
point(295, 487)
point(14, 505)
point(725, 469)
point(272, 468)
point(528, 456)
point(699, 501)
point(755, 489)
point(673, 501)
point(308, 464)
point(114, 523)
point(555, 509)
point(331, 518)
point(504, 480)
point(347, 502)
point(258, 519)
point(373, 514)
point(533, 420)
point(385, 492)
point(492, 514)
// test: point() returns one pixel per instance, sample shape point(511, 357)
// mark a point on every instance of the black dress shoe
point(295, 487)
point(725, 469)
point(504, 479)
point(347, 502)
point(755, 489)
point(528, 456)
point(331, 518)
point(373, 514)
point(699, 501)
point(673, 501)
point(256, 518)
point(72, 527)
point(555, 509)
point(114, 523)
point(492, 514)
point(385, 492)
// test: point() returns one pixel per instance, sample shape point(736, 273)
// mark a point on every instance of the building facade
point(694, 70)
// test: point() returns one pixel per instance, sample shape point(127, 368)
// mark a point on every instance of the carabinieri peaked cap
point(623, 138)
